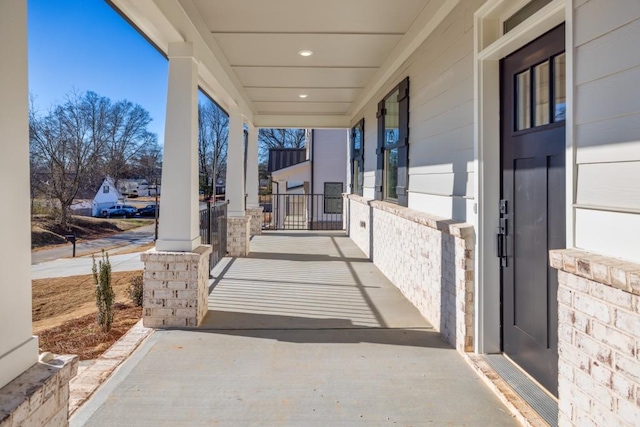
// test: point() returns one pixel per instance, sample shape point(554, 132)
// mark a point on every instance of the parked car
point(149, 210)
point(119, 211)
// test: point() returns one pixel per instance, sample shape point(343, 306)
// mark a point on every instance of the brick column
point(256, 220)
point(238, 234)
point(176, 287)
point(40, 395)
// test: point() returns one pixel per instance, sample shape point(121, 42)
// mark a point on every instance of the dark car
point(119, 213)
point(149, 211)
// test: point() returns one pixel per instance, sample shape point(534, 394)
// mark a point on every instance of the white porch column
point(235, 187)
point(18, 348)
point(254, 210)
point(179, 228)
point(253, 184)
point(238, 222)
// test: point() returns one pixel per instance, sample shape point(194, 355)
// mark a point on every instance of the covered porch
point(303, 331)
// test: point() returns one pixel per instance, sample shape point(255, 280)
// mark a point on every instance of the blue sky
point(85, 45)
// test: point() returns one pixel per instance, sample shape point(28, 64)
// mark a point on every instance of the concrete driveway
point(303, 332)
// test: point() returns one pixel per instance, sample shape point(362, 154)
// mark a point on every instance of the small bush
point(105, 297)
point(135, 290)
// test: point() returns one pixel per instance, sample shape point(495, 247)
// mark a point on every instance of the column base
point(238, 235)
point(40, 395)
point(256, 219)
point(176, 287)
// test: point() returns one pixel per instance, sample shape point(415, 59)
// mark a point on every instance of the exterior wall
point(430, 259)
point(607, 117)
point(40, 396)
point(176, 286)
point(441, 142)
point(598, 339)
point(330, 147)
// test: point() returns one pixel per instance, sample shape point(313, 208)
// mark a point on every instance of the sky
point(84, 45)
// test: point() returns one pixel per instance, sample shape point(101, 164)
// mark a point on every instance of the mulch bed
point(83, 336)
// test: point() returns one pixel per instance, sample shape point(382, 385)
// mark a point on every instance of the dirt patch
point(83, 336)
point(64, 298)
point(46, 232)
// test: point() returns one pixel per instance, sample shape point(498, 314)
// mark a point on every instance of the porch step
point(545, 405)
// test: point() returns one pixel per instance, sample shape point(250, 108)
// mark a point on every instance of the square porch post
point(32, 392)
point(176, 272)
point(18, 348)
point(254, 210)
point(238, 222)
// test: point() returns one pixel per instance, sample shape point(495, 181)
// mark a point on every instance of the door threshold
point(530, 403)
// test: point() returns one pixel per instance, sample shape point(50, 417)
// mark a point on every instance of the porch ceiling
point(254, 46)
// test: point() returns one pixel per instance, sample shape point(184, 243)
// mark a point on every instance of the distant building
point(107, 196)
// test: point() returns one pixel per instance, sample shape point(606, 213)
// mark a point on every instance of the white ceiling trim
point(426, 22)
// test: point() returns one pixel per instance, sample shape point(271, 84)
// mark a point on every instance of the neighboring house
point(106, 196)
point(308, 183)
point(134, 187)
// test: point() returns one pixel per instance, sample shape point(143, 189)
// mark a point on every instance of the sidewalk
point(303, 332)
point(78, 266)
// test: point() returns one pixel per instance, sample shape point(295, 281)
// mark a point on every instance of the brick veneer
point(176, 286)
point(40, 395)
point(598, 339)
point(430, 259)
point(256, 220)
point(238, 235)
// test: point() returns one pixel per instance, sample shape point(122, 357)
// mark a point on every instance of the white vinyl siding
point(441, 150)
point(607, 117)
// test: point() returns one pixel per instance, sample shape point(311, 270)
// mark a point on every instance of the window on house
point(357, 158)
point(332, 197)
point(393, 150)
point(105, 189)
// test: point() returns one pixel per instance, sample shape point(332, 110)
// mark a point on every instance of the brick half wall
point(430, 259)
point(598, 339)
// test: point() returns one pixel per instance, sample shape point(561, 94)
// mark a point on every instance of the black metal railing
point(302, 212)
point(213, 230)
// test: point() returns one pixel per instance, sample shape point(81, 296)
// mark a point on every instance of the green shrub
point(135, 290)
point(105, 297)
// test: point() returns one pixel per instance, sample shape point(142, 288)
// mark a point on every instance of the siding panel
point(610, 184)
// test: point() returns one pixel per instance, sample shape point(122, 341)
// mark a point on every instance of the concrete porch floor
point(306, 332)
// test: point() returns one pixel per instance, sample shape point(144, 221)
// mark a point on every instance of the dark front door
point(533, 202)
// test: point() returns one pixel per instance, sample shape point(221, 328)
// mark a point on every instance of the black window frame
point(402, 145)
point(357, 155)
point(327, 199)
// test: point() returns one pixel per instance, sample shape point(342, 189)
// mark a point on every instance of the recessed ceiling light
point(303, 95)
point(305, 53)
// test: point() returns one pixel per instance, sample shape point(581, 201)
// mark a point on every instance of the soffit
point(260, 41)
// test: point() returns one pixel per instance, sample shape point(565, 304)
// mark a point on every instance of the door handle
point(501, 242)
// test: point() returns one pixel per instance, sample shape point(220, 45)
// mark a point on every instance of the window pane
point(357, 140)
point(390, 173)
point(559, 88)
point(523, 100)
point(391, 119)
point(333, 197)
point(541, 73)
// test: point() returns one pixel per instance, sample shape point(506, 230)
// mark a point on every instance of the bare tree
point(72, 141)
point(213, 136)
point(279, 138)
point(127, 136)
point(64, 144)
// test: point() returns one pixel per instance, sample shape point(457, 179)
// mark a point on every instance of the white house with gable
point(106, 197)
